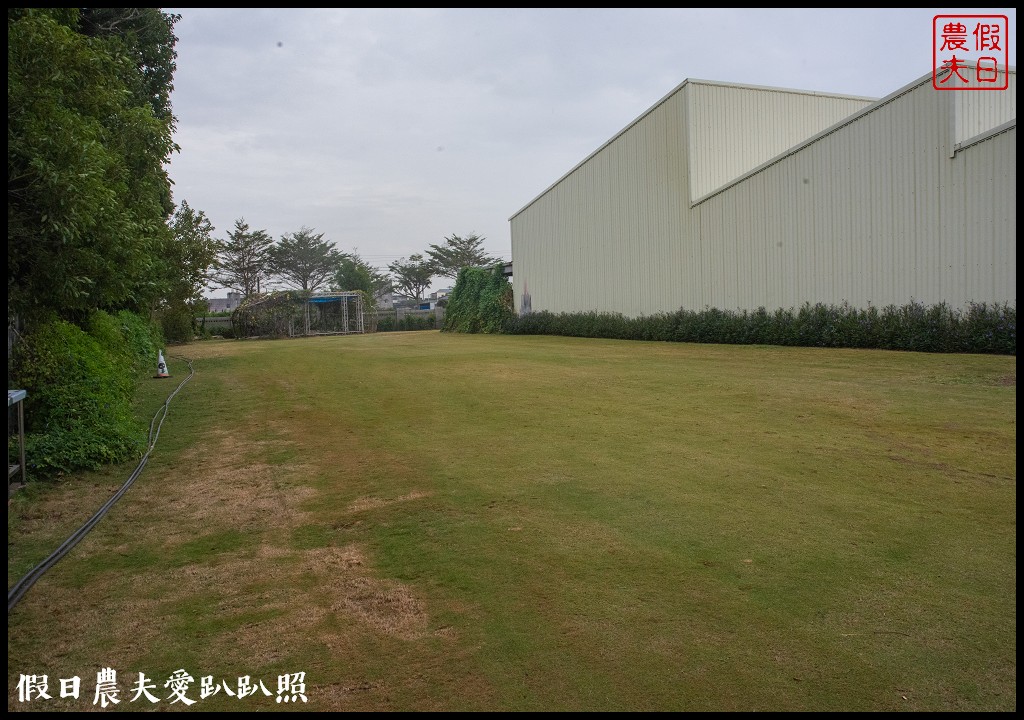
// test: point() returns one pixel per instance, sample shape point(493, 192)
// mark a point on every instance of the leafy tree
point(354, 273)
point(412, 278)
point(188, 257)
point(146, 37)
point(304, 259)
point(457, 253)
point(88, 193)
point(243, 260)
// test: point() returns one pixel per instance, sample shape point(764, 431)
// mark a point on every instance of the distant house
point(385, 300)
point(232, 301)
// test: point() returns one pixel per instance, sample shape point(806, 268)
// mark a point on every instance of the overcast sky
point(390, 129)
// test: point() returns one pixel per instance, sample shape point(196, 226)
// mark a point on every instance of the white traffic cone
point(161, 366)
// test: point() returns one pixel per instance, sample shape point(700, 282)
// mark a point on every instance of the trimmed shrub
point(980, 328)
point(389, 323)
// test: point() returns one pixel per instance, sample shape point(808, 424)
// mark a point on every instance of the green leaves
point(412, 277)
point(243, 260)
point(481, 301)
point(87, 189)
point(457, 253)
point(187, 257)
point(354, 273)
point(979, 328)
point(304, 260)
point(80, 386)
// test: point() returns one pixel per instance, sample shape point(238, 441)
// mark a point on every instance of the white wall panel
point(735, 128)
point(978, 111)
point(872, 211)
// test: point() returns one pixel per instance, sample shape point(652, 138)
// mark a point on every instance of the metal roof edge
point(696, 81)
point(927, 78)
point(655, 106)
point(608, 142)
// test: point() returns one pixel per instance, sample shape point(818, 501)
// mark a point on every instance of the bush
point(481, 301)
point(78, 411)
point(143, 338)
point(980, 328)
point(127, 337)
point(390, 323)
point(178, 324)
point(105, 329)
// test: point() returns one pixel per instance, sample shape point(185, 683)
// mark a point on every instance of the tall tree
point(243, 260)
point(304, 260)
point(412, 277)
point(146, 37)
point(87, 191)
point(354, 273)
point(188, 256)
point(457, 253)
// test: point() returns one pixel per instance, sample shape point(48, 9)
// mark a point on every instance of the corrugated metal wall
point(978, 111)
point(618, 218)
point(875, 211)
point(733, 129)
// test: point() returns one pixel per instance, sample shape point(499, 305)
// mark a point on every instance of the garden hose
point(21, 587)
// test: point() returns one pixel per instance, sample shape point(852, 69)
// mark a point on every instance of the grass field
point(425, 521)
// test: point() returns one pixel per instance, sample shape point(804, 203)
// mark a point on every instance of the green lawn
point(425, 521)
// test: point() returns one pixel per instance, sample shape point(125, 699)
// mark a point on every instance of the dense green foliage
point(146, 37)
point(481, 301)
point(88, 194)
point(981, 328)
point(78, 411)
point(354, 273)
point(92, 246)
point(191, 252)
point(142, 339)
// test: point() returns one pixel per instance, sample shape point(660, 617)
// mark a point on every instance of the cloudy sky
point(390, 129)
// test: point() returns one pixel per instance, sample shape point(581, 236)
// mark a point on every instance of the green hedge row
point(980, 328)
point(388, 323)
point(81, 384)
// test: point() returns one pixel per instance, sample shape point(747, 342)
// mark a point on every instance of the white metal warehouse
point(738, 197)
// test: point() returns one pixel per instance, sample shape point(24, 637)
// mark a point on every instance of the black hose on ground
point(21, 587)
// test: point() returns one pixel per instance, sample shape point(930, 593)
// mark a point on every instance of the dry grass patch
point(217, 570)
point(372, 503)
point(228, 484)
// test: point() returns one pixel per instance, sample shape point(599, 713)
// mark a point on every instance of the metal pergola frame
point(354, 322)
point(314, 311)
point(17, 398)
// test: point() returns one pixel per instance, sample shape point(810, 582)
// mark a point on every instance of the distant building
point(232, 301)
point(385, 300)
point(739, 197)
